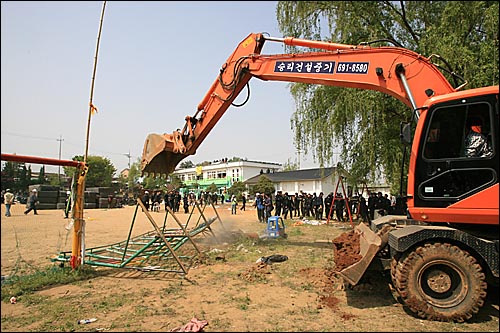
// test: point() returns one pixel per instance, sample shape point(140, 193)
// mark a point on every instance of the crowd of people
point(319, 207)
point(302, 205)
point(173, 200)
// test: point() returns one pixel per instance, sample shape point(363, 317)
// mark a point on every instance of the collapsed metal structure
point(158, 250)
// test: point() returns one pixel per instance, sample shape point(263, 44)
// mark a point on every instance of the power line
point(79, 145)
point(29, 136)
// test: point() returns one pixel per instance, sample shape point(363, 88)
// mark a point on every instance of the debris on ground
point(220, 257)
point(86, 321)
point(311, 222)
point(256, 272)
point(194, 325)
point(272, 258)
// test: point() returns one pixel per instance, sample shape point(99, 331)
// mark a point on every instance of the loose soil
point(346, 249)
point(228, 288)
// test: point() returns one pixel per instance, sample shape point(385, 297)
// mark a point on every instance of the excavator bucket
point(161, 154)
point(368, 242)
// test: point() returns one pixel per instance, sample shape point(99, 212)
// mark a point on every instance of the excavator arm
point(396, 71)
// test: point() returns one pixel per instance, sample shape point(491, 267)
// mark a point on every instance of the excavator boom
point(392, 70)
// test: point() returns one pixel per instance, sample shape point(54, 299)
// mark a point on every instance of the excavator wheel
point(440, 282)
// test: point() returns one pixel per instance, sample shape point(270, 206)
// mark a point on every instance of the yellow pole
point(78, 248)
point(76, 251)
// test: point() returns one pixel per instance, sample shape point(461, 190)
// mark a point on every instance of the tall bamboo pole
point(78, 245)
point(91, 106)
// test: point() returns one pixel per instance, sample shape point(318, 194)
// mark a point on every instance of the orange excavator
point(445, 252)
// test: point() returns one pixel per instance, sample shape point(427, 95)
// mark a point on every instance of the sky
point(156, 61)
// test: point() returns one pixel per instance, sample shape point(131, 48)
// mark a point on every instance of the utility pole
point(60, 145)
point(128, 155)
point(128, 174)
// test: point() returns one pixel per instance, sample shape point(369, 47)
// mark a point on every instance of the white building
point(307, 180)
point(223, 173)
point(315, 180)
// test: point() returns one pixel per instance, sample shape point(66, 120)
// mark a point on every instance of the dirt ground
point(230, 294)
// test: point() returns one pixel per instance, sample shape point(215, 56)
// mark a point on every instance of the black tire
point(440, 282)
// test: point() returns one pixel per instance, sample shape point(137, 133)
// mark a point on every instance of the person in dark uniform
point(243, 201)
point(279, 203)
point(328, 205)
point(372, 199)
point(185, 202)
point(145, 200)
point(363, 209)
point(32, 202)
point(339, 207)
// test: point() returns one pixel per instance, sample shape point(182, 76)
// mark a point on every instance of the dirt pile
point(257, 272)
point(346, 249)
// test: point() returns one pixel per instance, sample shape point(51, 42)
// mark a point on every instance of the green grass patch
point(19, 285)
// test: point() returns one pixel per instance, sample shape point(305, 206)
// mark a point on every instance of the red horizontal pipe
point(40, 160)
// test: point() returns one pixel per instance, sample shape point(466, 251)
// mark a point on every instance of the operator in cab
point(476, 143)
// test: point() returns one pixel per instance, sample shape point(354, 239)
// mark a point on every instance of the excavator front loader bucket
point(363, 239)
point(162, 153)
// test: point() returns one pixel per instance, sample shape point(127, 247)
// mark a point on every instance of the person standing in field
point(268, 207)
point(8, 198)
point(243, 202)
point(32, 202)
point(185, 201)
point(145, 200)
point(234, 203)
point(259, 204)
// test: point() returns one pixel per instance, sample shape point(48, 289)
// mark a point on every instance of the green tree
point(176, 182)
point(365, 124)
point(123, 181)
point(41, 175)
point(237, 188)
point(186, 165)
point(52, 179)
point(290, 166)
point(171, 182)
point(212, 188)
point(10, 172)
point(157, 183)
point(264, 185)
point(134, 177)
point(100, 173)
point(16, 176)
point(25, 176)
